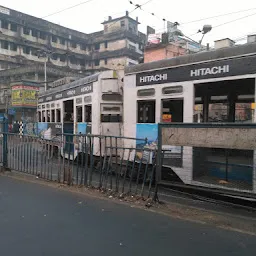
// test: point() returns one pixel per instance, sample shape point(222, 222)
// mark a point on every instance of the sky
point(88, 17)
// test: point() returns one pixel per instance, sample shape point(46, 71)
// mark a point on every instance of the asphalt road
point(38, 220)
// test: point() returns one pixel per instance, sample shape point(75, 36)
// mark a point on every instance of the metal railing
point(102, 162)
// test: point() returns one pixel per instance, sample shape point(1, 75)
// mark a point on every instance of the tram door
point(68, 125)
point(172, 112)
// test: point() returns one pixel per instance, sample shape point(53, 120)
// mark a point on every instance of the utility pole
point(45, 73)
point(6, 102)
point(46, 55)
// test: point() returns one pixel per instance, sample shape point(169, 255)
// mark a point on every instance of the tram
point(213, 86)
point(89, 105)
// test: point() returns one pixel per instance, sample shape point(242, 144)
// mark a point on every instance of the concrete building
point(27, 42)
point(155, 52)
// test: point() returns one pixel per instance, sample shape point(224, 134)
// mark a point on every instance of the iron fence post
point(5, 147)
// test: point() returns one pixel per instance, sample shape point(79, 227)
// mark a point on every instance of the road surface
point(38, 220)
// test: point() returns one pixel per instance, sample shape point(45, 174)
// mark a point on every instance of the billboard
point(24, 96)
point(155, 38)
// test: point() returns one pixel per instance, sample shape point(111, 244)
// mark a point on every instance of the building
point(169, 44)
point(155, 52)
point(27, 42)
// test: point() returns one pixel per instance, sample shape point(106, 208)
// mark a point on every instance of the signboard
point(213, 69)
point(24, 96)
point(215, 137)
point(68, 93)
point(62, 81)
point(4, 10)
point(154, 38)
point(11, 111)
point(167, 118)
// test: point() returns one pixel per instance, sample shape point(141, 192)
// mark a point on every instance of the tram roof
point(85, 80)
point(200, 57)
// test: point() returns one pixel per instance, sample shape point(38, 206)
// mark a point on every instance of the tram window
point(58, 116)
point(112, 97)
point(172, 110)
point(79, 101)
point(39, 116)
point(44, 119)
point(146, 92)
point(88, 113)
point(146, 111)
point(69, 111)
point(244, 112)
point(218, 112)
point(53, 115)
point(48, 116)
point(79, 114)
point(172, 90)
point(111, 118)
point(87, 99)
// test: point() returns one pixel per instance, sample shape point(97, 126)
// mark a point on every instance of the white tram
point(89, 105)
point(213, 86)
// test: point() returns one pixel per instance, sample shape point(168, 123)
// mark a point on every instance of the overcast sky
point(88, 17)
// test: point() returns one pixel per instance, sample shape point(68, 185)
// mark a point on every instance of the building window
point(14, 27)
point(83, 47)
point(26, 50)
point(89, 47)
point(106, 28)
point(73, 60)
point(97, 47)
point(62, 41)
point(122, 23)
point(81, 62)
point(54, 56)
point(54, 39)
point(73, 44)
point(62, 58)
point(106, 61)
point(146, 111)
point(106, 44)
point(4, 45)
point(26, 31)
point(42, 35)
point(34, 33)
point(34, 52)
point(4, 24)
point(132, 47)
point(96, 62)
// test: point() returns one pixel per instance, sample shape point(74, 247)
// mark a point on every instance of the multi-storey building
point(27, 42)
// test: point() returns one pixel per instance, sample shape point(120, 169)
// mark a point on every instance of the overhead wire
point(137, 6)
point(65, 9)
point(217, 16)
point(228, 22)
